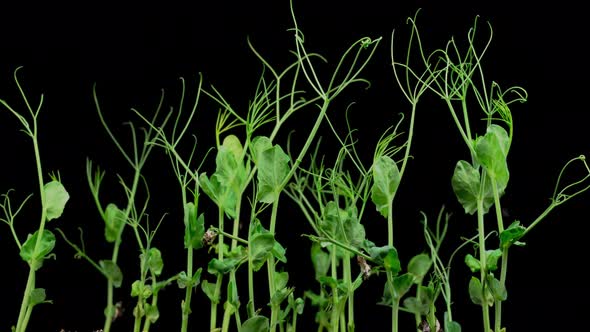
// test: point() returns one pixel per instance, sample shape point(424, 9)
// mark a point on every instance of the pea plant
point(38, 246)
point(458, 79)
point(229, 195)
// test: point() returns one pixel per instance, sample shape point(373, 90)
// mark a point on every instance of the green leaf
point(152, 313)
point(138, 288)
point(155, 261)
point(492, 257)
point(278, 251)
point(37, 296)
point(232, 144)
point(35, 257)
point(476, 293)
point(112, 271)
point(491, 151)
point(320, 260)
point(217, 266)
point(281, 280)
point(114, 221)
point(419, 266)
point(466, 186)
point(209, 290)
point(387, 257)
point(261, 246)
point(280, 295)
point(273, 168)
point(386, 179)
point(473, 263)
point(511, 235)
point(497, 289)
point(56, 198)
point(401, 285)
point(194, 227)
point(256, 324)
point(186, 281)
point(224, 186)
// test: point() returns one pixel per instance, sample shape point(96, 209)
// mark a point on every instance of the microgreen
point(231, 199)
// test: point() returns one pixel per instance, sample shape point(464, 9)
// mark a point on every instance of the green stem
point(350, 296)
point(186, 305)
point(271, 270)
point(394, 315)
point(503, 272)
point(334, 272)
point(483, 270)
point(23, 318)
point(216, 296)
point(504, 264)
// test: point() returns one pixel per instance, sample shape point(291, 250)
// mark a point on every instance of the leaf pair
point(468, 183)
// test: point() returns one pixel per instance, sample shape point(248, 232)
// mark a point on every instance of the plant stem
point(216, 296)
point(275, 309)
point(483, 269)
point(334, 313)
point(23, 317)
point(350, 295)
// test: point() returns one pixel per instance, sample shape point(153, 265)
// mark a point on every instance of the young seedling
point(53, 196)
point(134, 216)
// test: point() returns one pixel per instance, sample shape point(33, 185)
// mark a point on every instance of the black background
point(133, 51)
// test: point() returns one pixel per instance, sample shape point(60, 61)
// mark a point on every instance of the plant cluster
point(254, 172)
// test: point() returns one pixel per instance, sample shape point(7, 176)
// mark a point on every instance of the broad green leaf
point(491, 152)
point(320, 260)
point(256, 324)
point(35, 257)
point(155, 261)
point(342, 225)
point(472, 262)
point(209, 290)
point(186, 281)
point(217, 266)
point(37, 296)
point(138, 288)
point(273, 167)
point(476, 293)
point(152, 313)
point(354, 231)
point(258, 146)
point(419, 266)
point(112, 271)
point(386, 179)
point(281, 280)
point(114, 221)
point(511, 235)
point(279, 252)
point(492, 257)
point(386, 256)
point(194, 227)
point(280, 295)
point(497, 289)
point(232, 144)
point(224, 186)
point(56, 198)
point(401, 285)
point(466, 182)
point(261, 246)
